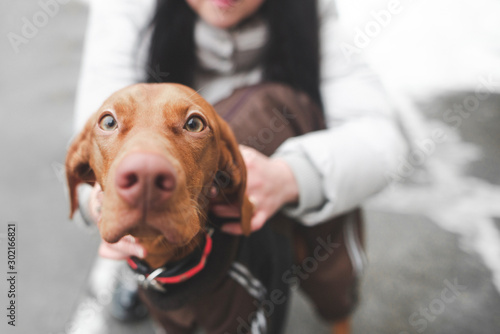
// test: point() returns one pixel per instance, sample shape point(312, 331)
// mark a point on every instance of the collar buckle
point(150, 282)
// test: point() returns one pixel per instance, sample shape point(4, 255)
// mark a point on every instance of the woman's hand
point(270, 185)
point(124, 248)
point(95, 202)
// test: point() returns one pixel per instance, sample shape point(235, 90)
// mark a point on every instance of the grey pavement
point(433, 239)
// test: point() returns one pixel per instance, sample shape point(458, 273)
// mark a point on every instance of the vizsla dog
point(162, 155)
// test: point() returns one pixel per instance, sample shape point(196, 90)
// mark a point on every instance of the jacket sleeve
point(338, 168)
point(111, 58)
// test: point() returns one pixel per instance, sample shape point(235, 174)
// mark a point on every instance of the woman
point(226, 48)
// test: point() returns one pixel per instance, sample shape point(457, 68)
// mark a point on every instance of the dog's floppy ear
point(77, 164)
point(233, 173)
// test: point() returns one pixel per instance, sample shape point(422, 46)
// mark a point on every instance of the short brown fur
point(150, 119)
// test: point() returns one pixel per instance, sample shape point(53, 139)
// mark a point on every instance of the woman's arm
point(338, 168)
point(111, 58)
point(111, 61)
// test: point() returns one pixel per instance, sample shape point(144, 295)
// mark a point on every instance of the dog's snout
point(145, 178)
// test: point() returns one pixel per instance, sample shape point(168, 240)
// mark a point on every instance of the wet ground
point(433, 238)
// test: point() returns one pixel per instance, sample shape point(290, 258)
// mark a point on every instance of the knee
point(281, 94)
point(267, 96)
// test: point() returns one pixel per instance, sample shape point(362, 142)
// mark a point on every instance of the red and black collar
point(184, 269)
point(174, 272)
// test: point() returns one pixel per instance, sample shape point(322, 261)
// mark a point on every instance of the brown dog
point(162, 154)
point(155, 150)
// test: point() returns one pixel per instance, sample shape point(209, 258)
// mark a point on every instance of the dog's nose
point(145, 178)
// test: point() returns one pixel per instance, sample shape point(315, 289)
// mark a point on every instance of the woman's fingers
point(95, 202)
point(225, 210)
point(270, 185)
point(233, 228)
point(121, 250)
point(258, 220)
point(108, 252)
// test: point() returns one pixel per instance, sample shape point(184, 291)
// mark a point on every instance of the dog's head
point(157, 150)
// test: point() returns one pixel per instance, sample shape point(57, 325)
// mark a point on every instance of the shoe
point(126, 305)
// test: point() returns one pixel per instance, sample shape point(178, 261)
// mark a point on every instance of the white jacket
point(336, 169)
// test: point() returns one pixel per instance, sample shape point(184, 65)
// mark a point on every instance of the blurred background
point(435, 229)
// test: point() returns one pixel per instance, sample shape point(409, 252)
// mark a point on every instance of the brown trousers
point(328, 258)
point(263, 117)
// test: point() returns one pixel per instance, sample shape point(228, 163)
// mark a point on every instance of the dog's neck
point(158, 255)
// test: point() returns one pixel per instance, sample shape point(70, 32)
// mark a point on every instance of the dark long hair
point(291, 55)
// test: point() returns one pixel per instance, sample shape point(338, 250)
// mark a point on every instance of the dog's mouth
point(147, 235)
point(165, 243)
point(160, 232)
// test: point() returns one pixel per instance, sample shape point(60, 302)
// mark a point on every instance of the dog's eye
point(108, 123)
point(194, 124)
